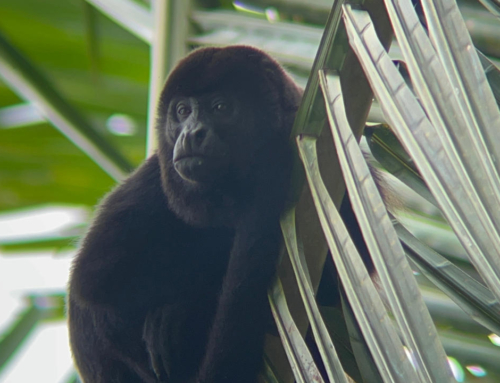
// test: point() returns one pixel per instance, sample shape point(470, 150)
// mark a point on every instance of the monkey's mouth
point(198, 168)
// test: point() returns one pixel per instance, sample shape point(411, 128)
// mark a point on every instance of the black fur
point(170, 282)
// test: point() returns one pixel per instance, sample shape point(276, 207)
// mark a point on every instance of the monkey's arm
point(235, 342)
point(125, 254)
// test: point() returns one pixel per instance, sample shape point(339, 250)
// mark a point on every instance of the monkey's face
point(218, 150)
point(208, 134)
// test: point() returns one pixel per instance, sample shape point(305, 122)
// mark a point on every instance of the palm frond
point(401, 289)
point(301, 361)
point(381, 337)
point(469, 294)
point(325, 345)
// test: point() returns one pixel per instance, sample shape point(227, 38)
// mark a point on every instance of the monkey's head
point(224, 119)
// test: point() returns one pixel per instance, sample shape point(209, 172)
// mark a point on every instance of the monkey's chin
point(198, 169)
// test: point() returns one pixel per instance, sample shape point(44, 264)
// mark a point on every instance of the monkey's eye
point(183, 110)
point(221, 107)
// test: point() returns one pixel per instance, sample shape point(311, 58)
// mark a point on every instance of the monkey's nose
point(197, 136)
point(193, 139)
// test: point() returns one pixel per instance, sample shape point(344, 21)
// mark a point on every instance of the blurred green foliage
point(37, 163)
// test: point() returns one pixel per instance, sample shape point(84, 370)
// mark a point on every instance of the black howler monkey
point(170, 282)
